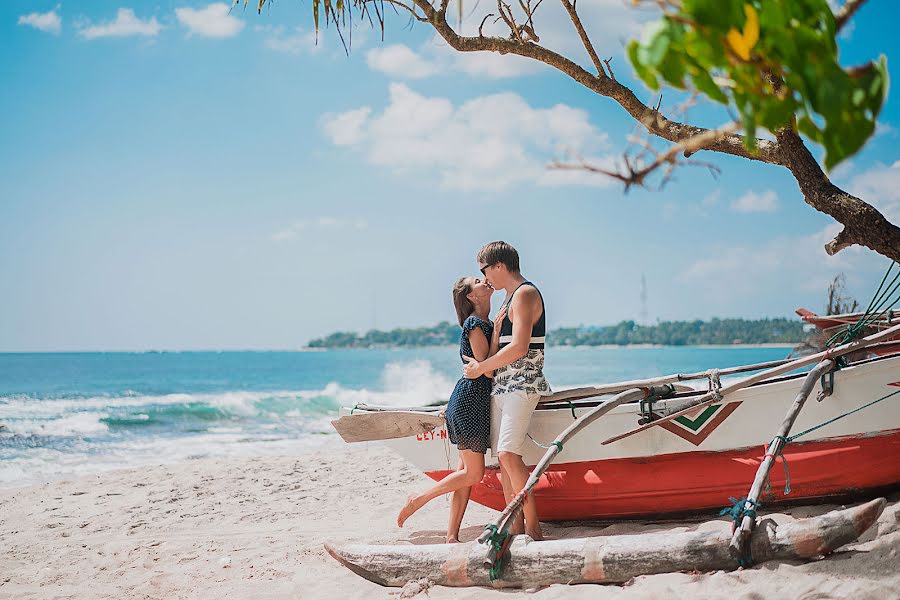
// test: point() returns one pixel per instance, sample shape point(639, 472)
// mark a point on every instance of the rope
point(737, 511)
point(572, 408)
point(787, 474)
point(882, 301)
point(846, 414)
point(558, 444)
point(498, 540)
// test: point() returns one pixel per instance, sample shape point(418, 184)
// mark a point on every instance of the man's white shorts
point(510, 418)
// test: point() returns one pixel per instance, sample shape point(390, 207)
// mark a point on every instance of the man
point(518, 366)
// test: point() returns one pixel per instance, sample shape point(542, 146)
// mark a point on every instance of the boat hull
point(703, 481)
point(695, 463)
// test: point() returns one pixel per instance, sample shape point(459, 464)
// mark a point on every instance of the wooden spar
point(604, 559)
point(742, 533)
point(506, 518)
point(716, 397)
point(615, 388)
point(385, 425)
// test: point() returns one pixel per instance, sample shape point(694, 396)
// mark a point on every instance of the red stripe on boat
point(697, 481)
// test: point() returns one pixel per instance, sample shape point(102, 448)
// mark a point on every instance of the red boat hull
point(702, 481)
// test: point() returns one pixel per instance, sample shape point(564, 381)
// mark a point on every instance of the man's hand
point(473, 369)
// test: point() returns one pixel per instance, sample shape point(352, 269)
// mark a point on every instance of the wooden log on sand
point(609, 559)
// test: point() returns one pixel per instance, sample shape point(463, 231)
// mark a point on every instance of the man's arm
point(526, 309)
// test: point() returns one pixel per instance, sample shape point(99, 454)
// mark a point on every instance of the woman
point(469, 410)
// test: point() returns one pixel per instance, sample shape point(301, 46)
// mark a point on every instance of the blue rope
point(498, 540)
point(738, 512)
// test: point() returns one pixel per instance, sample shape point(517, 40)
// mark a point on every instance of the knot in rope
point(498, 540)
point(738, 510)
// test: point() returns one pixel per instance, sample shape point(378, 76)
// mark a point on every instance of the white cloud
point(399, 61)
point(48, 21)
point(297, 41)
point(776, 268)
point(126, 24)
point(294, 230)
point(800, 264)
point(880, 187)
point(214, 21)
point(752, 202)
point(489, 142)
point(346, 128)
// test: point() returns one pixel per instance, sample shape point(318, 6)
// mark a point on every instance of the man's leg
point(518, 477)
point(516, 417)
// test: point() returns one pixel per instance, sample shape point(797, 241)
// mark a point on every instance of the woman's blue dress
point(469, 410)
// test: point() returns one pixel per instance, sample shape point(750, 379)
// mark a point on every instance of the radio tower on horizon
point(644, 313)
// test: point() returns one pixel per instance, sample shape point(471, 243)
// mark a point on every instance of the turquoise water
point(67, 414)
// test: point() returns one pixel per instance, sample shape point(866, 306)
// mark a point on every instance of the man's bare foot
point(452, 539)
point(535, 534)
point(407, 511)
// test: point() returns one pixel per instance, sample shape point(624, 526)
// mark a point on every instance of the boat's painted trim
point(698, 481)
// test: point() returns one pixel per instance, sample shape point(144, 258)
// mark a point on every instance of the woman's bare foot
point(535, 534)
point(408, 509)
point(452, 539)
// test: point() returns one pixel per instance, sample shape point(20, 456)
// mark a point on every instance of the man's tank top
point(527, 373)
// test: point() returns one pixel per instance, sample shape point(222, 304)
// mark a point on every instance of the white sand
point(254, 528)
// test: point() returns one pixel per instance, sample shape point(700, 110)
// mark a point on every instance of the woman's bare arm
point(480, 346)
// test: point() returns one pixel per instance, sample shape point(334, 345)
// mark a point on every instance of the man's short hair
point(500, 252)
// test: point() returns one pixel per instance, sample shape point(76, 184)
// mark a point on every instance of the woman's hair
point(464, 307)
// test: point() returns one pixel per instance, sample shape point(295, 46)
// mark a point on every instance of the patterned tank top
point(527, 373)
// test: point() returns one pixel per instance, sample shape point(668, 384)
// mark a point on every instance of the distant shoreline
point(568, 346)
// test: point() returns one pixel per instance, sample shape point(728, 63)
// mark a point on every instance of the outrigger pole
point(716, 396)
point(497, 531)
point(747, 514)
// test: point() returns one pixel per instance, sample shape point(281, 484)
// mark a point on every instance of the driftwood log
point(609, 559)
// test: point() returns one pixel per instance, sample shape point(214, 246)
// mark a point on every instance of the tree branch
point(652, 120)
point(576, 21)
point(863, 224)
point(847, 11)
point(638, 175)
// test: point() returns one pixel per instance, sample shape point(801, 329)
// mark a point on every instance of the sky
point(176, 177)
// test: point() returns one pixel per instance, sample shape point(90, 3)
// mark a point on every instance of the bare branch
point(637, 175)
point(847, 11)
point(509, 19)
point(840, 241)
point(609, 67)
point(585, 40)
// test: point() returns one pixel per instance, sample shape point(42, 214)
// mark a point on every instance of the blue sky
point(174, 177)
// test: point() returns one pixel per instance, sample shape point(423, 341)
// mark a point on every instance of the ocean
point(68, 414)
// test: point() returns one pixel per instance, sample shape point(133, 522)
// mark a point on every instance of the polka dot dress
point(469, 409)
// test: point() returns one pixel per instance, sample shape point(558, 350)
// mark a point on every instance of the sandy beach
point(255, 528)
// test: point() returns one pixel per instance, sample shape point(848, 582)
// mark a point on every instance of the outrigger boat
point(682, 451)
point(830, 325)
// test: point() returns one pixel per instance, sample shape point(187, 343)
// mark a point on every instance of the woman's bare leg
point(458, 504)
point(469, 475)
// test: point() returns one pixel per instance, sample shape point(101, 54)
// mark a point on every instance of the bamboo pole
point(503, 522)
point(716, 397)
point(621, 386)
point(742, 533)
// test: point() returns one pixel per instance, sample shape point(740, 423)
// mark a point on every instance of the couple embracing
point(503, 380)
